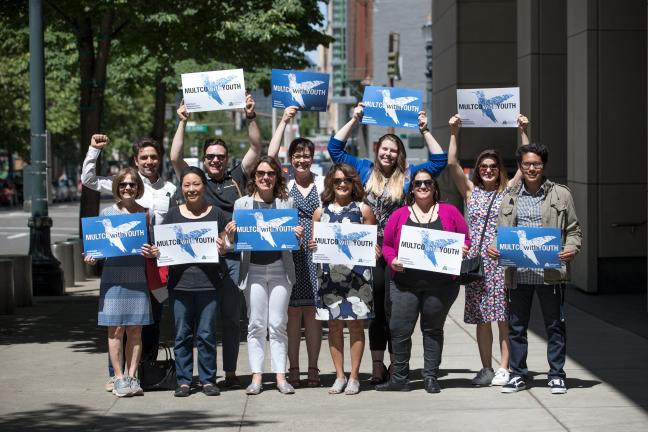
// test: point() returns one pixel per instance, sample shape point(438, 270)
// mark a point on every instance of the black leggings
point(379, 337)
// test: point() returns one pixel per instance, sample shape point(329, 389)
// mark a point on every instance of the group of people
point(283, 289)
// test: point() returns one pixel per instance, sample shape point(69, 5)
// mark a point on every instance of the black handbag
point(472, 269)
point(158, 374)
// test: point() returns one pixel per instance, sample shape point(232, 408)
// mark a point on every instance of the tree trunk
point(159, 110)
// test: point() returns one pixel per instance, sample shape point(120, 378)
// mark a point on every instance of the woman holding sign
point(418, 292)
point(386, 181)
point(485, 299)
point(267, 278)
point(124, 304)
point(194, 291)
point(345, 292)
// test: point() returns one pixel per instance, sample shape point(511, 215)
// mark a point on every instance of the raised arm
point(523, 125)
point(432, 144)
point(338, 142)
point(178, 140)
point(277, 137)
point(345, 131)
point(463, 183)
point(89, 176)
point(254, 136)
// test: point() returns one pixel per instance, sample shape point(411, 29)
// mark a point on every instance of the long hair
point(280, 189)
point(120, 177)
point(357, 191)
point(476, 176)
point(376, 183)
point(436, 193)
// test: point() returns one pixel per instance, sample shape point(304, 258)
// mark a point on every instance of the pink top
point(451, 220)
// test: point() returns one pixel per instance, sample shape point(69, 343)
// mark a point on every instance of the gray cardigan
point(247, 203)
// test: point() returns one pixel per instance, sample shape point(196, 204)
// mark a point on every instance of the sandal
point(313, 377)
point(383, 377)
point(293, 377)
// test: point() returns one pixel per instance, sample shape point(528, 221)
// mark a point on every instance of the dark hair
point(214, 141)
point(147, 142)
point(436, 193)
point(193, 170)
point(280, 189)
point(538, 149)
point(357, 190)
point(120, 177)
point(301, 144)
point(502, 179)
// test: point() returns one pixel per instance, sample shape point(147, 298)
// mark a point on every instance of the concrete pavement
point(53, 363)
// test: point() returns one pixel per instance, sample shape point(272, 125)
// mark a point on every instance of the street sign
point(197, 128)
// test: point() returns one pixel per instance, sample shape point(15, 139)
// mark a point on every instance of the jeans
point(379, 337)
point(230, 314)
point(552, 299)
point(194, 311)
point(267, 296)
point(433, 304)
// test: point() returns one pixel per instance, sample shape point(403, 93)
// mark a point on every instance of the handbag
point(472, 269)
point(158, 374)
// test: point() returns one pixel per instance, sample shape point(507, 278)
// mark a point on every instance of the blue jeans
point(552, 298)
point(230, 313)
point(194, 310)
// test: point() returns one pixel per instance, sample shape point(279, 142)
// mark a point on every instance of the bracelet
point(250, 116)
point(425, 129)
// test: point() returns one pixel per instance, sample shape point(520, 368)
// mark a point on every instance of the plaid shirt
point(529, 214)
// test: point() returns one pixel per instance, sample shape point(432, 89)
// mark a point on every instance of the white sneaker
point(501, 377)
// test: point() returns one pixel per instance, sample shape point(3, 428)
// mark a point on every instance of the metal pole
point(46, 270)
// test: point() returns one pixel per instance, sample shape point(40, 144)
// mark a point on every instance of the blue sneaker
point(122, 387)
point(557, 386)
point(515, 384)
point(136, 388)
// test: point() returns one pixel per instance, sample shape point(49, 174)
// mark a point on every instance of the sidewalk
point(53, 362)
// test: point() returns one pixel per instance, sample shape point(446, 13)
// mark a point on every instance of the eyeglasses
point(220, 157)
point(304, 157)
point(339, 181)
point(419, 183)
point(124, 185)
point(485, 167)
point(261, 174)
point(527, 165)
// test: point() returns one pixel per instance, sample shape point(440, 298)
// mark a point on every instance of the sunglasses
point(261, 174)
point(339, 181)
point(124, 185)
point(419, 183)
point(485, 167)
point(220, 157)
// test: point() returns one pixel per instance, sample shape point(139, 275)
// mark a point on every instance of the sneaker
point(514, 385)
point(501, 377)
point(484, 377)
point(136, 388)
point(211, 390)
point(122, 387)
point(182, 391)
point(557, 386)
point(110, 384)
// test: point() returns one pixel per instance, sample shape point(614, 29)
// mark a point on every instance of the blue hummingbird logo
point(214, 87)
point(342, 239)
point(488, 103)
point(432, 245)
point(184, 239)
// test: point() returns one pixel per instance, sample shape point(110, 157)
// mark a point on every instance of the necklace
point(423, 214)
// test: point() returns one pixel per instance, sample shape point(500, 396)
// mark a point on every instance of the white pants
point(267, 296)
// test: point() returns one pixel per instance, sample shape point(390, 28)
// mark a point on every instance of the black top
point(416, 279)
point(264, 257)
point(222, 193)
point(196, 277)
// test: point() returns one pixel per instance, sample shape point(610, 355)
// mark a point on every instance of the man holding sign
point(538, 202)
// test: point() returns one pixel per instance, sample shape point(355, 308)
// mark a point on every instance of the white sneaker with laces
point(501, 377)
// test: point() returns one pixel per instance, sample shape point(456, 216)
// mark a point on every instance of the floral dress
point(345, 292)
point(486, 298)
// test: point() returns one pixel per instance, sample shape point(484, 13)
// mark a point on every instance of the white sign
point(213, 91)
point(490, 107)
point(345, 243)
point(431, 250)
point(184, 243)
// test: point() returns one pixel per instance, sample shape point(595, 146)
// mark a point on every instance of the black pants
point(552, 298)
point(379, 337)
point(433, 304)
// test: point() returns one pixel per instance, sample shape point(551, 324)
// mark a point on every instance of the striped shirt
point(529, 214)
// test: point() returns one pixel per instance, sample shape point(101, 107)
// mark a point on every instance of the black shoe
point(383, 377)
point(514, 385)
point(182, 391)
point(231, 382)
point(393, 386)
point(432, 385)
point(211, 390)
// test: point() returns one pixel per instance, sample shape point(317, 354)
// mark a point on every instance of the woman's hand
point(249, 106)
point(397, 266)
point(422, 122)
point(99, 141)
point(89, 259)
point(493, 252)
point(299, 232)
point(289, 114)
point(358, 112)
point(378, 251)
point(312, 245)
point(455, 124)
point(149, 251)
point(465, 250)
point(567, 255)
point(222, 247)
point(183, 115)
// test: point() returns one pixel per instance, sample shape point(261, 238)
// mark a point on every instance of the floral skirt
point(345, 293)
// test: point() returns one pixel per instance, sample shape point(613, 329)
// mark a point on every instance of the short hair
point(301, 144)
point(502, 179)
point(193, 170)
point(214, 141)
point(280, 189)
point(436, 193)
point(357, 191)
point(147, 142)
point(120, 177)
point(538, 149)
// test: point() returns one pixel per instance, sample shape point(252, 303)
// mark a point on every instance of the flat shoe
point(353, 387)
point(338, 386)
point(285, 388)
point(210, 390)
point(182, 391)
point(254, 389)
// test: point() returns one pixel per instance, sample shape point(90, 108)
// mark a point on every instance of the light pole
point(46, 270)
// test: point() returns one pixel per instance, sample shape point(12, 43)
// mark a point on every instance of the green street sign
point(198, 128)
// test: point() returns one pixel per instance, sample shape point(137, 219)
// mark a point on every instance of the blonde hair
point(396, 182)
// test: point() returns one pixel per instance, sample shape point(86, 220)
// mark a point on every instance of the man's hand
point(99, 141)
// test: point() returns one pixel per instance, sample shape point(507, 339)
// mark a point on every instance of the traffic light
point(393, 54)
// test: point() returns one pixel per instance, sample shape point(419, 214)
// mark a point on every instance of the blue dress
point(123, 293)
point(345, 292)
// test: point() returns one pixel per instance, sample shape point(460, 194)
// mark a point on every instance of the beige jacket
point(557, 212)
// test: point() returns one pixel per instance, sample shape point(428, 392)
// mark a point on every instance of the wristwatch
point(250, 116)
